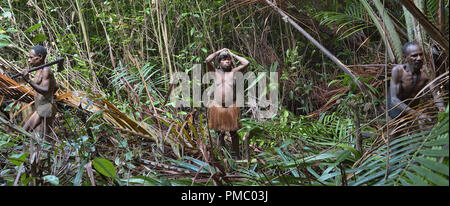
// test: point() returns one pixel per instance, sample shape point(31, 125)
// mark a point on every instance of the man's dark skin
point(44, 86)
point(406, 82)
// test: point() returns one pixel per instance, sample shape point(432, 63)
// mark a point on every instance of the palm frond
point(386, 30)
point(390, 31)
point(350, 22)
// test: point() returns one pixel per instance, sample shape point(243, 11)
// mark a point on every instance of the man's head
point(37, 55)
point(224, 60)
point(413, 55)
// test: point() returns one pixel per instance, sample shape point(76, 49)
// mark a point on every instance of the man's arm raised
point(244, 62)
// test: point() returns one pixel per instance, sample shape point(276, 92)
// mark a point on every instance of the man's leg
point(43, 128)
point(30, 126)
point(235, 143)
point(49, 123)
point(32, 123)
point(220, 138)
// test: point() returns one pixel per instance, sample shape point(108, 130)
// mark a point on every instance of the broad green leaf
point(342, 156)
point(405, 182)
point(379, 26)
point(77, 180)
point(439, 142)
point(33, 28)
point(206, 166)
point(370, 178)
point(52, 179)
point(7, 14)
point(5, 145)
point(39, 38)
point(260, 76)
point(434, 153)
point(141, 180)
point(18, 159)
point(432, 177)
point(328, 176)
point(104, 167)
point(280, 153)
point(189, 166)
point(409, 23)
point(436, 166)
point(351, 149)
point(394, 38)
point(335, 97)
point(4, 40)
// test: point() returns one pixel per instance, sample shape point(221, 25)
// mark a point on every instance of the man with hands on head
point(223, 113)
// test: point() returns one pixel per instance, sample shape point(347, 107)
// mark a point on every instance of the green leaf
point(33, 28)
point(351, 149)
point(394, 38)
point(342, 156)
point(4, 40)
point(39, 38)
point(439, 142)
point(405, 182)
point(206, 166)
point(6, 144)
point(129, 156)
point(334, 81)
point(143, 180)
point(309, 160)
point(380, 27)
point(436, 166)
point(18, 159)
point(335, 97)
point(52, 179)
point(104, 167)
point(189, 166)
point(432, 177)
point(435, 153)
point(77, 180)
point(7, 14)
point(369, 178)
point(261, 75)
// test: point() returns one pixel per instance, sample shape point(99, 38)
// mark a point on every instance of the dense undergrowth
point(304, 151)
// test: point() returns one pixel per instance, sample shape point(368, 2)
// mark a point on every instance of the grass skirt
point(224, 118)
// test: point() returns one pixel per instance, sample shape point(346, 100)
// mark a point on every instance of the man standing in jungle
point(223, 113)
point(45, 87)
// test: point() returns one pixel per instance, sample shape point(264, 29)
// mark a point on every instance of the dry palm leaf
point(94, 103)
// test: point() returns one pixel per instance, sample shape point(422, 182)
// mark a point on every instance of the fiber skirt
point(224, 118)
point(46, 110)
